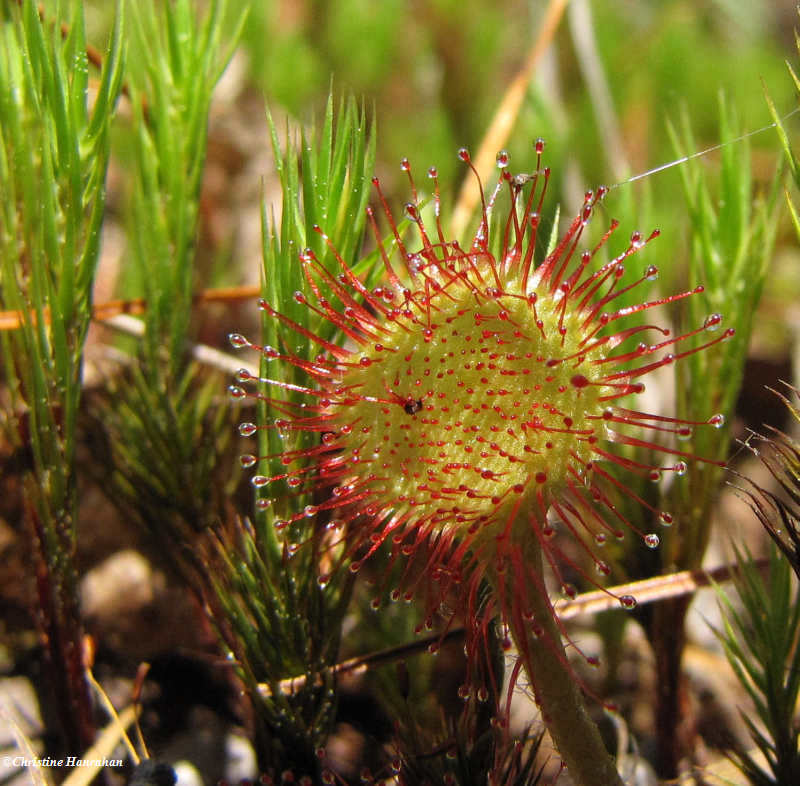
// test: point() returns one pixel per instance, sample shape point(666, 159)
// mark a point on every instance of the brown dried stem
point(504, 119)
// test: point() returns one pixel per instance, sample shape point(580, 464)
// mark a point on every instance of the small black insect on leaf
point(412, 406)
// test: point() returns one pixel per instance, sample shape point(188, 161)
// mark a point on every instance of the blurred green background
point(433, 73)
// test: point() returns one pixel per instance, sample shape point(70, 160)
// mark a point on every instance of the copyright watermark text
point(67, 761)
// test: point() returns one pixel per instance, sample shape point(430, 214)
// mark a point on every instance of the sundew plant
point(481, 390)
point(470, 391)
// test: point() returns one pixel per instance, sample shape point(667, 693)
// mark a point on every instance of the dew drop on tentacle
point(247, 429)
point(282, 427)
point(651, 540)
point(238, 341)
point(602, 568)
point(628, 602)
point(411, 212)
